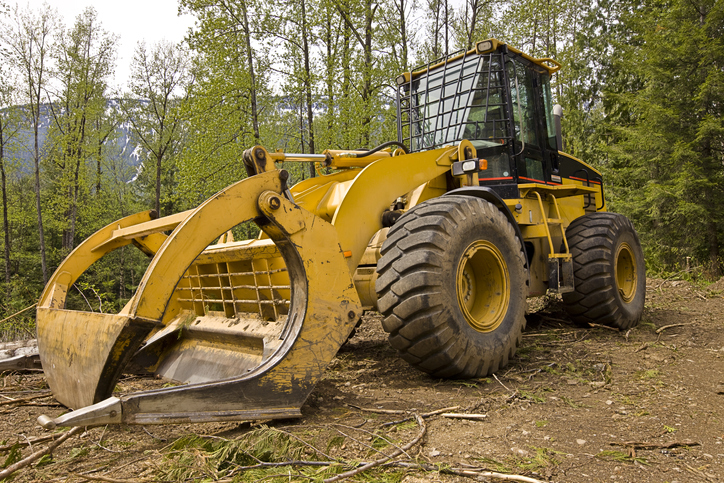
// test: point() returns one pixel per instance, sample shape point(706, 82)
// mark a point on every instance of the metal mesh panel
point(462, 96)
point(236, 288)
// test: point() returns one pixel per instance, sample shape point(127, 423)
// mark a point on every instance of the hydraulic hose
point(381, 147)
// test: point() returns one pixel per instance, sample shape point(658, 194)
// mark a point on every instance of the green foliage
point(666, 163)
point(44, 460)
point(78, 452)
point(193, 456)
point(14, 455)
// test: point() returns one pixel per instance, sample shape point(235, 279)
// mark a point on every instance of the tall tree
point(85, 58)
point(160, 80)
point(230, 106)
point(294, 25)
point(362, 20)
point(9, 127)
point(29, 42)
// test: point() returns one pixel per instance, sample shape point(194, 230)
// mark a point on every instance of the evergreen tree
point(667, 160)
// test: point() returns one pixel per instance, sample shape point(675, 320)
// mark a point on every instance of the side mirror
point(557, 115)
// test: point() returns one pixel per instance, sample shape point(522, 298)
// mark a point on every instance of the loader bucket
point(247, 328)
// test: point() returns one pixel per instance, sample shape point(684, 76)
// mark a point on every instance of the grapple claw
point(192, 302)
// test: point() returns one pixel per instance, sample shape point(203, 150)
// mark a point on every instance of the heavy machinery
point(446, 240)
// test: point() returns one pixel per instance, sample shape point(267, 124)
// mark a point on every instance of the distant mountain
point(120, 146)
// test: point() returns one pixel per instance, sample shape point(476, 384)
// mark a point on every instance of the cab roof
point(483, 47)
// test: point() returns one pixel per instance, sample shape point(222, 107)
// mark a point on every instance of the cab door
point(534, 159)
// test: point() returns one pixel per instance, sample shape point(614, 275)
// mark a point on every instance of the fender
point(487, 194)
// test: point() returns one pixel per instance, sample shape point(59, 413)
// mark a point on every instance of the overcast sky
point(131, 20)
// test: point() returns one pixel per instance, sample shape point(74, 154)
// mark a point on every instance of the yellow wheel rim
point(483, 286)
point(625, 270)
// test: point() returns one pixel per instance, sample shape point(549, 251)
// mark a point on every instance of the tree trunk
point(36, 158)
point(447, 35)
point(346, 84)
point(76, 185)
point(331, 76)
point(252, 77)
point(367, 75)
point(403, 36)
point(713, 241)
point(6, 225)
point(436, 31)
point(98, 168)
point(308, 85)
point(121, 284)
point(473, 20)
point(159, 159)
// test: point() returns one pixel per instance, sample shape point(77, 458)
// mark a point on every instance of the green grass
point(648, 374)
point(543, 458)
point(532, 397)
point(620, 456)
point(570, 402)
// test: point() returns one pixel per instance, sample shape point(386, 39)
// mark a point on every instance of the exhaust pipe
point(557, 115)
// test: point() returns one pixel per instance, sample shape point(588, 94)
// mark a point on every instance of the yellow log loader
point(446, 231)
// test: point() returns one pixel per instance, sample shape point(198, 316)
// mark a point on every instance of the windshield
point(463, 98)
point(439, 103)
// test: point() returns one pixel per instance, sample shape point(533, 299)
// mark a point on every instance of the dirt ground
point(575, 405)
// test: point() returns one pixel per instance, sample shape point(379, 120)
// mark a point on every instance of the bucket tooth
point(107, 411)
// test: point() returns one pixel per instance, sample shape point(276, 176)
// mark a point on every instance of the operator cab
point(499, 99)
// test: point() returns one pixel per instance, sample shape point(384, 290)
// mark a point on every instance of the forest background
point(642, 88)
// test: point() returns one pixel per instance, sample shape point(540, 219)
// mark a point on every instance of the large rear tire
point(609, 271)
point(452, 287)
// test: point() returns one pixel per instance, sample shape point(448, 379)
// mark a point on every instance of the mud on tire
point(452, 287)
point(609, 271)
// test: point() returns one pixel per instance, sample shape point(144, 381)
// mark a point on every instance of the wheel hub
point(625, 271)
point(483, 286)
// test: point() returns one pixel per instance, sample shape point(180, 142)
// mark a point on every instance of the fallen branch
point(467, 471)
point(493, 474)
point(600, 326)
point(700, 473)
point(105, 478)
point(476, 417)
point(22, 400)
point(397, 452)
point(369, 447)
point(18, 313)
point(506, 387)
point(30, 441)
point(379, 411)
point(38, 454)
point(423, 415)
point(643, 445)
point(661, 329)
point(29, 391)
point(643, 347)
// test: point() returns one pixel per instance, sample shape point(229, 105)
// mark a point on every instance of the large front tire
point(608, 269)
point(452, 287)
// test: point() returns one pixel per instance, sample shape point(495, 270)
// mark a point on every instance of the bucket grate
point(236, 288)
